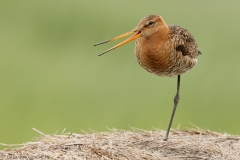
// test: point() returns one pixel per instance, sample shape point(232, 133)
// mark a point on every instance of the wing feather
point(184, 41)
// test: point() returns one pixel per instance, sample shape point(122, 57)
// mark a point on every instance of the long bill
point(135, 36)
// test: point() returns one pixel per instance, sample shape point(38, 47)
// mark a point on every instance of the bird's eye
point(151, 23)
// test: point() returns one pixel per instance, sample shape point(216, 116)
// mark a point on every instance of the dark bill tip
point(102, 42)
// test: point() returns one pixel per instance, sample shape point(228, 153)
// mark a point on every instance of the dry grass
point(136, 144)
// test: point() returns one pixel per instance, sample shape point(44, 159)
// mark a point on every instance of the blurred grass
point(52, 78)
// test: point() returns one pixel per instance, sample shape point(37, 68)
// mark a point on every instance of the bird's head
point(150, 25)
point(146, 28)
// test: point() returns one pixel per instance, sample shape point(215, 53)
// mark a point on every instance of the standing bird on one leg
point(162, 49)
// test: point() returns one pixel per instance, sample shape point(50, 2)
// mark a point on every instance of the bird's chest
point(154, 56)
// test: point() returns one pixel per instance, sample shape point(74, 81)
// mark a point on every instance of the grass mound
point(135, 144)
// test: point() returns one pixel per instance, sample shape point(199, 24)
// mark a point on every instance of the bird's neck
point(157, 40)
point(161, 35)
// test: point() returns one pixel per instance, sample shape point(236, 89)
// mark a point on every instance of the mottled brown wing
point(184, 41)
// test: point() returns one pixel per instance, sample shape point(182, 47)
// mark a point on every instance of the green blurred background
point(52, 78)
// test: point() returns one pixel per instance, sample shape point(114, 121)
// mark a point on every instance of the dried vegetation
point(191, 144)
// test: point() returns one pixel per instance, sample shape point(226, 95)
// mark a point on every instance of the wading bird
point(162, 49)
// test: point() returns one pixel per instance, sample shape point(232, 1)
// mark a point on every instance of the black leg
point(176, 99)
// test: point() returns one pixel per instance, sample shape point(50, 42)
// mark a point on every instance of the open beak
point(135, 36)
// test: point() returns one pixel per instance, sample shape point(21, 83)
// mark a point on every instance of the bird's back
point(184, 41)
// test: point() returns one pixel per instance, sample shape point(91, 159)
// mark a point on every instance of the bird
point(165, 50)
